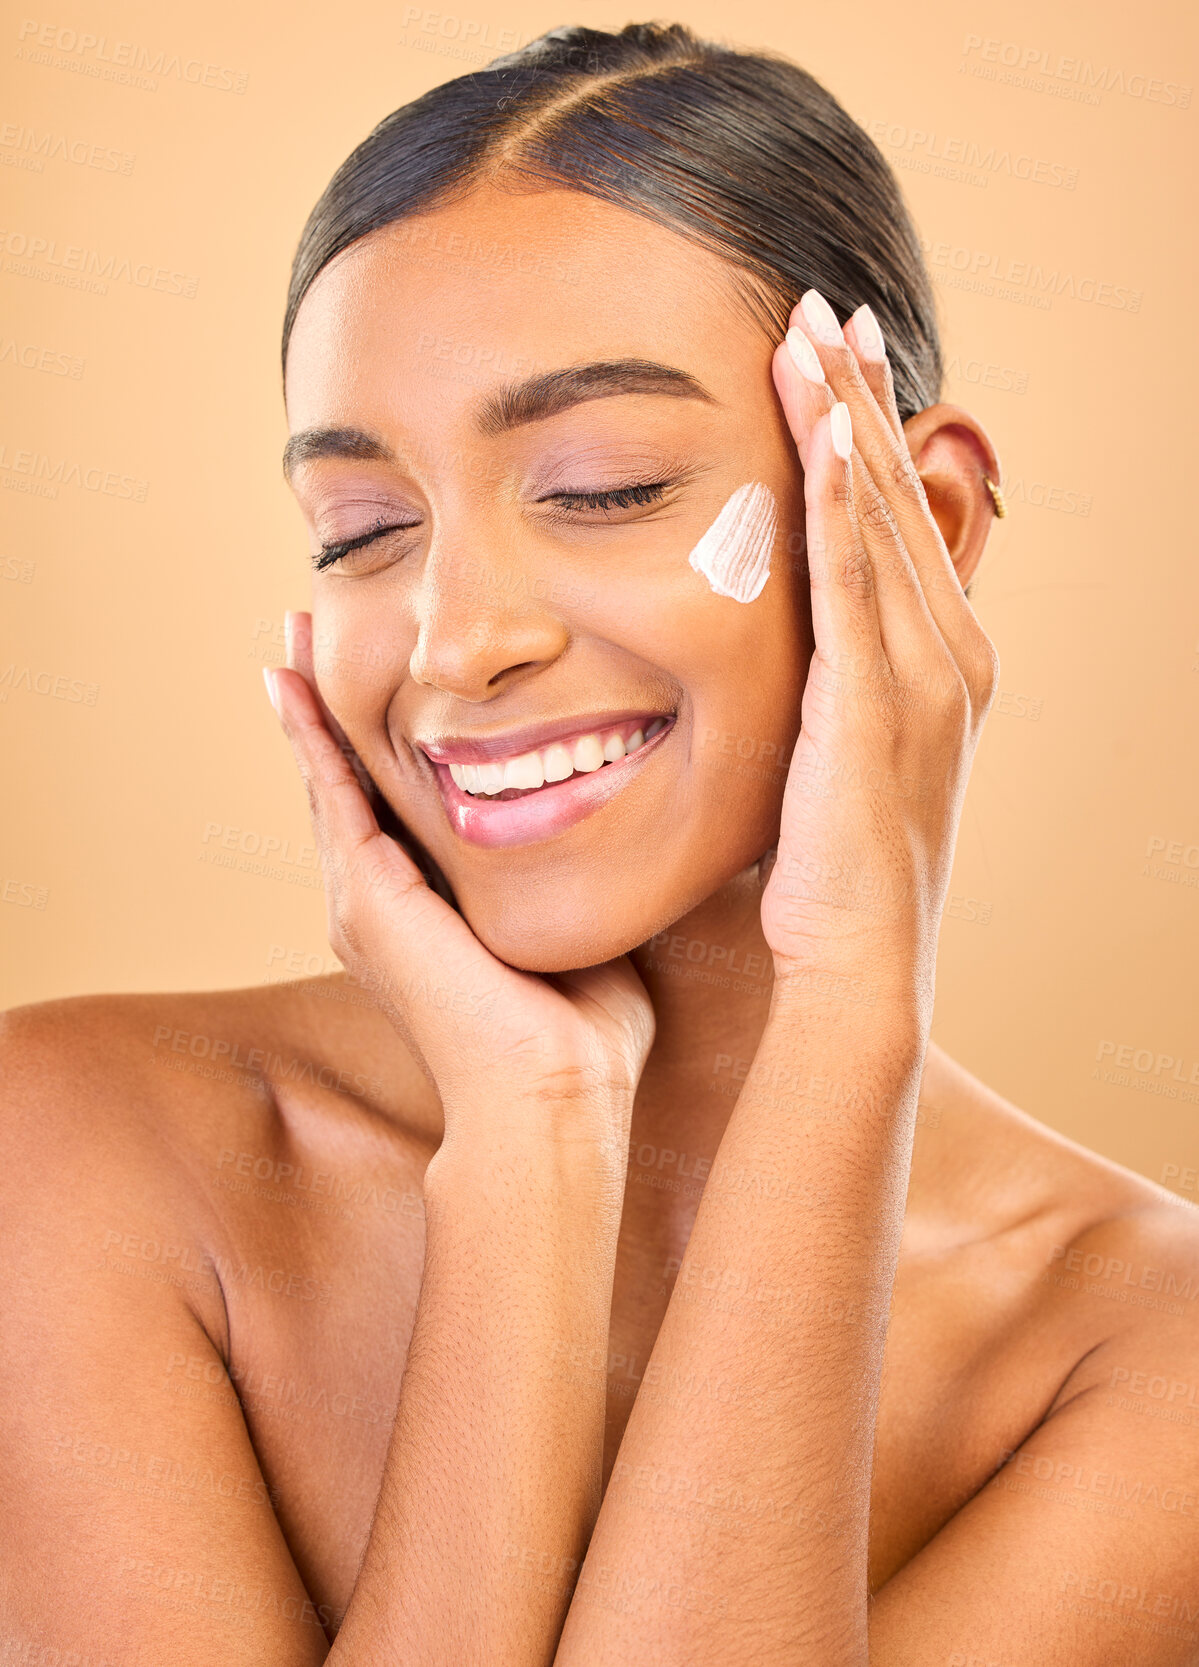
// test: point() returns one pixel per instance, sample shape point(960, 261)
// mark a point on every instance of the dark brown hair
point(742, 151)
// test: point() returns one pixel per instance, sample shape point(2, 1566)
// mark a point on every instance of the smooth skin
point(480, 1309)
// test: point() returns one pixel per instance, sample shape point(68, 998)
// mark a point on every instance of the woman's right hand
point(560, 1053)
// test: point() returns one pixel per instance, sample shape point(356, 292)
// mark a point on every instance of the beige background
point(146, 575)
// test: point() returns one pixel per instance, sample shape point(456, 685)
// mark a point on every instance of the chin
point(542, 928)
point(535, 937)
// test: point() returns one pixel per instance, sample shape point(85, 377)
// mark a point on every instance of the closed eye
point(329, 554)
point(639, 495)
point(618, 497)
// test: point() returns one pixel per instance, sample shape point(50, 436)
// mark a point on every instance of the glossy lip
point(545, 811)
point(513, 743)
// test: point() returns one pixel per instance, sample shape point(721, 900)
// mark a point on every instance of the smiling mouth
point(498, 790)
point(530, 772)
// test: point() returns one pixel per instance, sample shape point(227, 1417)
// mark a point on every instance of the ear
point(952, 453)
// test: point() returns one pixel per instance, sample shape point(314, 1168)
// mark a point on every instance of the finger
point(864, 334)
point(845, 620)
point(297, 632)
point(341, 811)
point(397, 934)
point(905, 623)
point(300, 657)
point(878, 432)
point(297, 635)
point(886, 456)
point(803, 389)
point(382, 911)
point(904, 619)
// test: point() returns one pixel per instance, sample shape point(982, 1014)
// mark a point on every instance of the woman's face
point(438, 385)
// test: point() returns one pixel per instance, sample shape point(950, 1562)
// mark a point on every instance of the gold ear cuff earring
point(996, 497)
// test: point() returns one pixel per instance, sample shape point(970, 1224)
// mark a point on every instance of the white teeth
point(557, 763)
point(524, 771)
point(553, 763)
point(588, 754)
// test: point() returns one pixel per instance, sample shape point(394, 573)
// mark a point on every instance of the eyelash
point(330, 553)
point(619, 497)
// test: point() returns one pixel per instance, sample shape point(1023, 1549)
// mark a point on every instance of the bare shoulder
point(128, 1120)
point(131, 1281)
point(1075, 1251)
point(108, 1074)
point(1041, 1412)
point(163, 1063)
point(101, 1129)
point(90, 1081)
point(982, 1167)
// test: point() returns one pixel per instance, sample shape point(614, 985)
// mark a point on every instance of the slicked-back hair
point(744, 152)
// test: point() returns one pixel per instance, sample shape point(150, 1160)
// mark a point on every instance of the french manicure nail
point(803, 355)
point(842, 428)
point(822, 318)
point(870, 335)
point(269, 680)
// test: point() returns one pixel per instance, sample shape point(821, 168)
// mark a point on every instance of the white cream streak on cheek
point(734, 553)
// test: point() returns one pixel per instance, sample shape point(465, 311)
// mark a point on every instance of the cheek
point(748, 692)
point(357, 649)
point(734, 554)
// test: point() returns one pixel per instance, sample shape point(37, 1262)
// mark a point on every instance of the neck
point(709, 977)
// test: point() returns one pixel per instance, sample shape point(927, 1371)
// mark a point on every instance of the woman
point(607, 1267)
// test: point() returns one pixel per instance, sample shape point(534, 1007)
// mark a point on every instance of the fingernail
point(842, 429)
point(803, 355)
point(268, 677)
point(822, 318)
point(870, 335)
point(289, 628)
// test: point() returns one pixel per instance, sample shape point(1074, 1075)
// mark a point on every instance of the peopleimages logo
point(38, 148)
point(81, 268)
point(923, 148)
point(48, 360)
point(122, 61)
point(27, 468)
point(982, 267)
point(1030, 65)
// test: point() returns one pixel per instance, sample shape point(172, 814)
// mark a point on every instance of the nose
point(483, 620)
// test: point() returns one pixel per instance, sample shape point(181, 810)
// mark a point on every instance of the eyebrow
point(531, 401)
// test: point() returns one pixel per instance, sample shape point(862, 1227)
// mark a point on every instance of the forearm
point(493, 1477)
point(735, 1524)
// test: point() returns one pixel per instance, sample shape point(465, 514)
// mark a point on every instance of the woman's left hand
point(900, 682)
